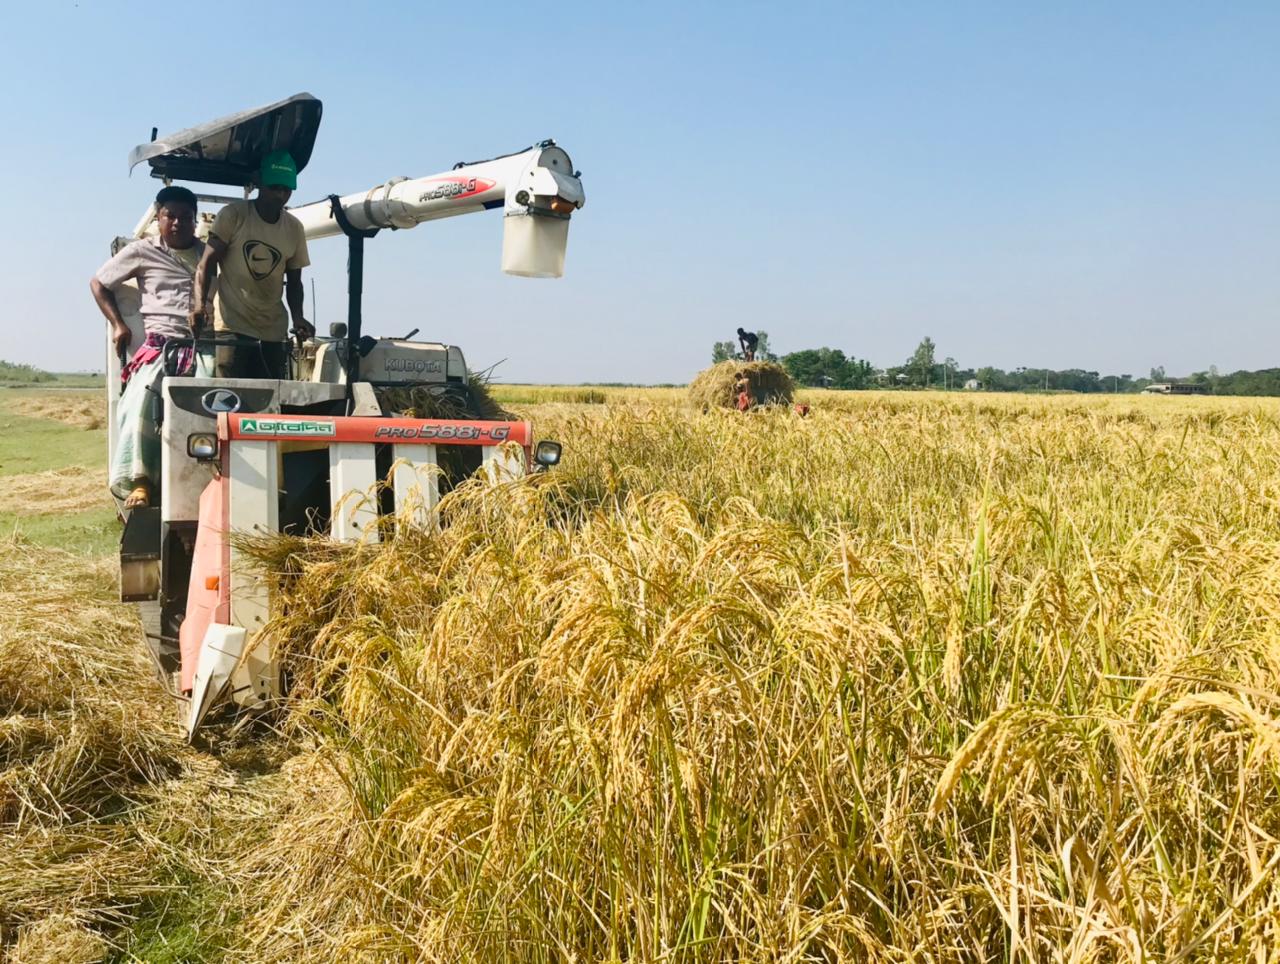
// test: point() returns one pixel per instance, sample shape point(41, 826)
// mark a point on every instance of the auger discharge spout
point(537, 189)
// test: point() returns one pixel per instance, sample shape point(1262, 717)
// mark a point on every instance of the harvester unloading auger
point(263, 455)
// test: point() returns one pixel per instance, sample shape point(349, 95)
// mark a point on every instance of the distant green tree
point(817, 367)
point(25, 374)
point(860, 373)
point(763, 352)
point(921, 362)
point(949, 367)
point(723, 351)
point(828, 368)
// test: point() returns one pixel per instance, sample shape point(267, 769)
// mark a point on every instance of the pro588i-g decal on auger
point(304, 453)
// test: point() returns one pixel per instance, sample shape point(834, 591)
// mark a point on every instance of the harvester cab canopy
point(230, 149)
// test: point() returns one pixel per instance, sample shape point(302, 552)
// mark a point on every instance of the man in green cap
point(259, 250)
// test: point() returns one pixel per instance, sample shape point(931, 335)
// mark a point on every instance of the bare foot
point(139, 498)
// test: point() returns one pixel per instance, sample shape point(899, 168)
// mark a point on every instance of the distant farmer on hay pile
point(748, 340)
point(164, 268)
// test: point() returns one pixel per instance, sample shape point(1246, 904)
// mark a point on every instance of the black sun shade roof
point(230, 149)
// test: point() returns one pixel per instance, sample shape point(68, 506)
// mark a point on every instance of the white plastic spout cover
point(533, 245)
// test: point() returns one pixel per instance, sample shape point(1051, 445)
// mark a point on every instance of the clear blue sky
point(1075, 184)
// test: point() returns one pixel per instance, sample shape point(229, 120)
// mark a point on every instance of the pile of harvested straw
point(473, 400)
point(716, 387)
point(72, 488)
point(83, 740)
point(85, 410)
point(117, 840)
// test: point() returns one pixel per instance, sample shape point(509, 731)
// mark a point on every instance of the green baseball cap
point(278, 170)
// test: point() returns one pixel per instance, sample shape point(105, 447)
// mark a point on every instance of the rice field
point(917, 677)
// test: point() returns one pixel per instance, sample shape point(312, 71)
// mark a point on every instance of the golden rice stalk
point(58, 939)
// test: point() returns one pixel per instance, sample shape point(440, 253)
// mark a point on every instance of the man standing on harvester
point(162, 266)
point(258, 250)
point(748, 340)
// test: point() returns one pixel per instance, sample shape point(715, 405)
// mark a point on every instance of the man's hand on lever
point(215, 250)
point(302, 330)
point(122, 336)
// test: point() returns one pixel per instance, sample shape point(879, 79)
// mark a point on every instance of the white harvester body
point(317, 452)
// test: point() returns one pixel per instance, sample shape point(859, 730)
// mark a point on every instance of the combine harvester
point(312, 452)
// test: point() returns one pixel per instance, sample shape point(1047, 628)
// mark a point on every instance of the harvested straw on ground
point(474, 400)
point(83, 742)
point(716, 387)
point(69, 408)
point(59, 939)
point(72, 488)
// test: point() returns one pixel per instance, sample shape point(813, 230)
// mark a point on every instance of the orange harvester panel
point(421, 431)
point(208, 599)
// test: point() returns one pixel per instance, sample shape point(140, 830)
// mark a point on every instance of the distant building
point(972, 385)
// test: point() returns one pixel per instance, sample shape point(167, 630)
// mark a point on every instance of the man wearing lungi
point(164, 268)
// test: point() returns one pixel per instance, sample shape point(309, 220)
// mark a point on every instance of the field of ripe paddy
point(918, 677)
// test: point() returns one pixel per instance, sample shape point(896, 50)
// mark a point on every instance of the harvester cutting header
point(331, 441)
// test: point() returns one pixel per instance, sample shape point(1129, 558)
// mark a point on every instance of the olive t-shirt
point(251, 274)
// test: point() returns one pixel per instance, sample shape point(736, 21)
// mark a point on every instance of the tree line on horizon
point(18, 372)
point(832, 368)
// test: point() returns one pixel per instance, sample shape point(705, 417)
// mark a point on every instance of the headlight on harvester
point(547, 454)
point(202, 447)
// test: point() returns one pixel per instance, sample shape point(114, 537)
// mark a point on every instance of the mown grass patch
point(59, 432)
point(193, 922)
point(30, 444)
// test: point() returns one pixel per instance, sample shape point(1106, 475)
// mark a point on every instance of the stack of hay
point(769, 384)
point(451, 401)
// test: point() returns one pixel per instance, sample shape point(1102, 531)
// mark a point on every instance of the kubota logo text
point(273, 426)
point(411, 365)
